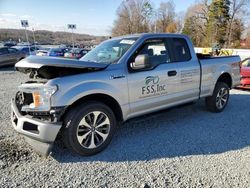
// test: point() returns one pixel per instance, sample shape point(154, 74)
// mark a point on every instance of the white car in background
point(42, 52)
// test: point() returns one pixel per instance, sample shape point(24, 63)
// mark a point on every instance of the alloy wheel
point(221, 98)
point(93, 129)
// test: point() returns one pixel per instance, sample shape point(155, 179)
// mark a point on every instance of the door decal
point(152, 87)
point(188, 76)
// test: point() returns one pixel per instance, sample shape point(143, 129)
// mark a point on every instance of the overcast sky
point(91, 16)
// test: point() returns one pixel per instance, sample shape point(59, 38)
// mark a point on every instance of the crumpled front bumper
point(39, 134)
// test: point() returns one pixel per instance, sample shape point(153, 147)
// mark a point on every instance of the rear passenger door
point(188, 69)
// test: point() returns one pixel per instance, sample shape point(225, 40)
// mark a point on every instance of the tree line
point(208, 22)
point(49, 37)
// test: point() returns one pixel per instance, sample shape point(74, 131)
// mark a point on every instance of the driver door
point(152, 89)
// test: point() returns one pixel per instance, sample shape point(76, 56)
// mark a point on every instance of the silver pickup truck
point(122, 78)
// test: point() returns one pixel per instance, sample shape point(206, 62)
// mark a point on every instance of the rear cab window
point(181, 50)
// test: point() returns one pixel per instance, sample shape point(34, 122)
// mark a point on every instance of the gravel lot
point(180, 147)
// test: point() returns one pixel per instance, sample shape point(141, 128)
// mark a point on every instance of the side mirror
point(141, 62)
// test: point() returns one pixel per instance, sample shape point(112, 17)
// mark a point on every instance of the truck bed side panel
point(213, 68)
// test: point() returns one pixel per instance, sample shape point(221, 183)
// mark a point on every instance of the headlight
point(41, 96)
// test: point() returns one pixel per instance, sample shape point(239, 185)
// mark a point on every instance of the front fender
point(73, 94)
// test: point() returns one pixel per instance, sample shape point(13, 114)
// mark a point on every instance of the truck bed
point(207, 56)
point(212, 67)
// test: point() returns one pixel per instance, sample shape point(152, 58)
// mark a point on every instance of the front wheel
point(218, 101)
point(89, 128)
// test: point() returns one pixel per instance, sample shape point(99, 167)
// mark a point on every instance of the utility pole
point(34, 39)
point(25, 24)
point(72, 27)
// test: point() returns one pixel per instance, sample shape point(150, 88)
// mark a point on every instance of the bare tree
point(133, 16)
point(166, 16)
point(237, 7)
point(196, 19)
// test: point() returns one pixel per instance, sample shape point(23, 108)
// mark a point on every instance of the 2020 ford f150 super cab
point(121, 78)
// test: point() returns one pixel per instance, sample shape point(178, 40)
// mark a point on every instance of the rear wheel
point(218, 101)
point(89, 128)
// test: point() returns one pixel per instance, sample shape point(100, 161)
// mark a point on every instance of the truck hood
point(51, 67)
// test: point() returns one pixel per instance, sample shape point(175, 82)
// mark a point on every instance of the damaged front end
point(51, 67)
point(34, 99)
point(32, 114)
point(40, 129)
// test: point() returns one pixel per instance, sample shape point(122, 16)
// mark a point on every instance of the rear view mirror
point(141, 62)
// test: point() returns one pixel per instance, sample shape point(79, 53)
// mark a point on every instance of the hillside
point(49, 37)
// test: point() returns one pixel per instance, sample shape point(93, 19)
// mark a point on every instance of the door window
point(156, 50)
point(3, 51)
point(32, 49)
point(12, 50)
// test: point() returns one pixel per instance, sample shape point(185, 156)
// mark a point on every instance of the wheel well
point(106, 99)
point(225, 78)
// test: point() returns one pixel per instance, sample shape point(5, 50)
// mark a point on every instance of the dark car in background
point(76, 53)
point(9, 44)
point(57, 52)
point(26, 50)
point(9, 56)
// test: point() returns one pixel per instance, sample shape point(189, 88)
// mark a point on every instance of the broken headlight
point(41, 95)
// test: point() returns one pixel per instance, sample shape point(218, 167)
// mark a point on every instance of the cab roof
point(149, 35)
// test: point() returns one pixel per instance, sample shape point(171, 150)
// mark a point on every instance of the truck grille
point(22, 99)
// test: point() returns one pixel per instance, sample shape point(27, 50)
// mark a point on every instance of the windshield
point(110, 51)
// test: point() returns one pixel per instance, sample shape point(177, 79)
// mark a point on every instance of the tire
point(81, 135)
point(219, 100)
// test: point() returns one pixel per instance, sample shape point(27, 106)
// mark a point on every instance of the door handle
point(117, 77)
point(172, 73)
